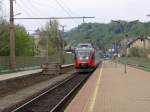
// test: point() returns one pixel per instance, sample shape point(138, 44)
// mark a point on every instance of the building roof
point(142, 38)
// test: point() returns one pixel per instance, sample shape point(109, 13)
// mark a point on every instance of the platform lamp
point(125, 46)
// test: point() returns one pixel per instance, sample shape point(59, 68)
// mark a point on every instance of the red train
point(84, 57)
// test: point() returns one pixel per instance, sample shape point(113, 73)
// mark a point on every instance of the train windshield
point(83, 53)
point(85, 45)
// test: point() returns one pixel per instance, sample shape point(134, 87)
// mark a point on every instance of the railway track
point(56, 97)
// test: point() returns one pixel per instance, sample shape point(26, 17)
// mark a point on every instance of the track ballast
point(51, 100)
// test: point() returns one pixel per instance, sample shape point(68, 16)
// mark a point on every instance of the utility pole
point(47, 45)
point(1, 11)
point(83, 20)
point(0, 8)
point(53, 18)
point(62, 39)
point(143, 39)
point(12, 38)
point(126, 46)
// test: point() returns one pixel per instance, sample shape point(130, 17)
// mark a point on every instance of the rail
point(55, 96)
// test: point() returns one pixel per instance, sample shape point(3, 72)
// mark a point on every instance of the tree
point(104, 34)
point(4, 33)
point(23, 42)
point(50, 35)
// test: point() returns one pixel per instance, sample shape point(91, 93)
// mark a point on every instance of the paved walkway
point(111, 90)
point(22, 73)
point(18, 74)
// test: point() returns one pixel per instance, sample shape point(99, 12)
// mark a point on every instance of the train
point(84, 57)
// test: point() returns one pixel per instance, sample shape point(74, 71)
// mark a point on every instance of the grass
point(140, 62)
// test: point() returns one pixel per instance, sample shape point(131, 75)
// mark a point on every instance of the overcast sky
point(103, 10)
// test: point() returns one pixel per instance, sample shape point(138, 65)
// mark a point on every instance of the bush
point(137, 52)
point(134, 52)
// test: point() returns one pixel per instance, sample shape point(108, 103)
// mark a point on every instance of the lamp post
point(126, 36)
point(125, 46)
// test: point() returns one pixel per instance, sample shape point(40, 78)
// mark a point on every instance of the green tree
point(4, 29)
point(104, 34)
point(23, 42)
point(50, 35)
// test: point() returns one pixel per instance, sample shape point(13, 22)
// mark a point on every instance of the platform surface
point(109, 89)
point(23, 73)
point(18, 74)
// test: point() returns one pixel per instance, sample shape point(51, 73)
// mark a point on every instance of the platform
point(23, 73)
point(109, 89)
point(18, 74)
point(15, 81)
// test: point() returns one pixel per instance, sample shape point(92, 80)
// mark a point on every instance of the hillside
point(104, 34)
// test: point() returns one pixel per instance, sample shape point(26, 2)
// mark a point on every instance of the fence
point(31, 62)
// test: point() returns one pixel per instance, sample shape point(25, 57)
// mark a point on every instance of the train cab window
point(84, 46)
point(83, 53)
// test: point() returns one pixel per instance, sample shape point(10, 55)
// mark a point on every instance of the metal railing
point(31, 62)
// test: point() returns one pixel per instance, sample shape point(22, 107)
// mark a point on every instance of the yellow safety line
point(93, 99)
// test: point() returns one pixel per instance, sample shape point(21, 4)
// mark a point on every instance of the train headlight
point(87, 58)
point(80, 58)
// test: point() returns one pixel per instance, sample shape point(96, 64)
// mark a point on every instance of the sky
point(103, 10)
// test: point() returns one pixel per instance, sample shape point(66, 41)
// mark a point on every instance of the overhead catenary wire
point(57, 17)
point(67, 7)
point(28, 11)
point(36, 9)
point(22, 8)
point(0, 4)
point(44, 5)
point(68, 13)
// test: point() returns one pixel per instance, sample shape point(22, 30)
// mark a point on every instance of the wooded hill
point(104, 34)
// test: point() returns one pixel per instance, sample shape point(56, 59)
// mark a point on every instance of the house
point(140, 42)
point(41, 43)
point(123, 44)
point(38, 50)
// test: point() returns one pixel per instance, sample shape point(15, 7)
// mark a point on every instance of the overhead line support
point(55, 18)
point(12, 38)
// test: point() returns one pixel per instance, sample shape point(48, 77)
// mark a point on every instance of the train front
point(84, 58)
